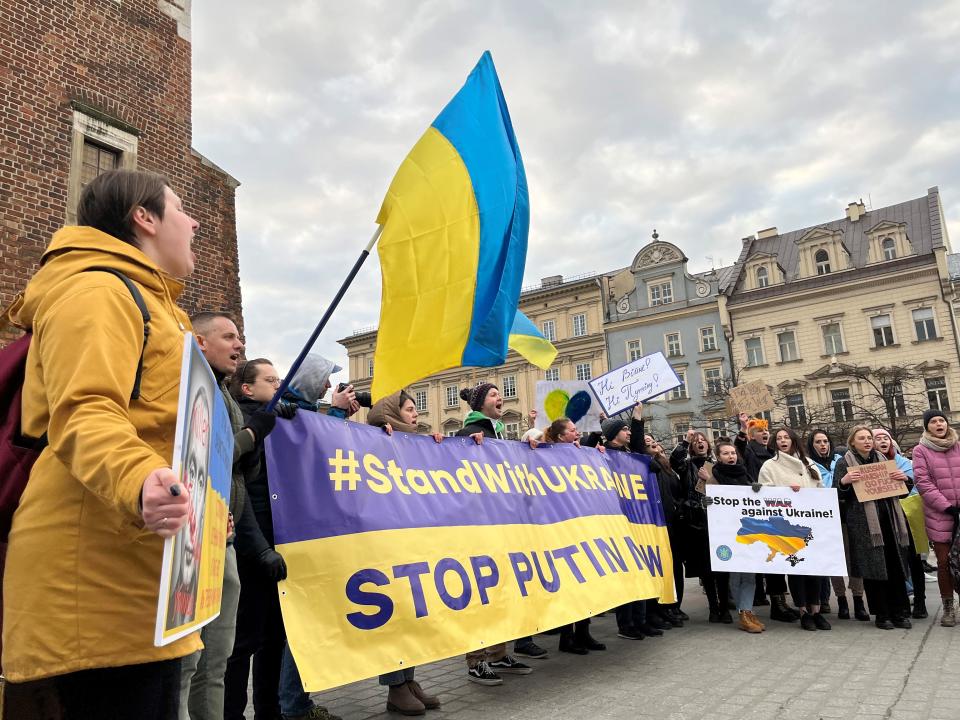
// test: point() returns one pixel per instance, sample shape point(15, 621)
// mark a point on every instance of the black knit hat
point(476, 395)
point(611, 427)
point(930, 415)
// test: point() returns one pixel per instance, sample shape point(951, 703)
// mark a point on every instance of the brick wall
point(124, 60)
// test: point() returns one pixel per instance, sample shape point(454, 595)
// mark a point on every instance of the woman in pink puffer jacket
point(936, 467)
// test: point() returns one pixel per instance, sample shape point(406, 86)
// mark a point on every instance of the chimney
point(768, 233)
point(856, 210)
point(551, 281)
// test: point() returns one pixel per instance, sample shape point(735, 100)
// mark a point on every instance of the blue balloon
point(579, 405)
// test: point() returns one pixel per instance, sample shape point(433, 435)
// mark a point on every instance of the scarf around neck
point(735, 474)
point(939, 444)
point(477, 416)
point(854, 459)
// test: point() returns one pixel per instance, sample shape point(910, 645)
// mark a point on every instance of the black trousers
point(776, 584)
point(260, 636)
point(805, 589)
point(717, 587)
point(150, 691)
point(888, 598)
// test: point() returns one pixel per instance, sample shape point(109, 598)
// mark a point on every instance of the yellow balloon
point(556, 403)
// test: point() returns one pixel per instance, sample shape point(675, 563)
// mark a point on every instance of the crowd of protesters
point(87, 540)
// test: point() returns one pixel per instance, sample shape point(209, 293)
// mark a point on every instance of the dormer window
point(822, 260)
point(763, 278)
point(889, 249)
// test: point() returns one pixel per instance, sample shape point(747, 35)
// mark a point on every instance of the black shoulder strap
point(138, 299)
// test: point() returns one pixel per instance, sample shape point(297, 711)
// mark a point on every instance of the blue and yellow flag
point(454, 241)
point(530, 342)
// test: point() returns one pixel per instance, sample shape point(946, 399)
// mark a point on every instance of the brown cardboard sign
point(750, 398)
point(875, 482)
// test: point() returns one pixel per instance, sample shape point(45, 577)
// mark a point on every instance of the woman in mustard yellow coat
point(83, 564)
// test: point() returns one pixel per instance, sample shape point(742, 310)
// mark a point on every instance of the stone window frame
point(550, 335)
point(666, 344)
point(630, 351)
point(99, 129)
point(888, 230)
point(659, 283)
point(746, 351)
point(555, 372)
point(509, 388)
point(582, 330)
point(796, 344)
point(713, 334)
point(420, 400)
point(584, 371)
point(453, 400)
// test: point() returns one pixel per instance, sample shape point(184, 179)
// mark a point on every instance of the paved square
point(707, 671)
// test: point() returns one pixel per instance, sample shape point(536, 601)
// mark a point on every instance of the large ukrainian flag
point(454, 242)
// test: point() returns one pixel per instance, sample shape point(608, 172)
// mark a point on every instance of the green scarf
point(477, 416)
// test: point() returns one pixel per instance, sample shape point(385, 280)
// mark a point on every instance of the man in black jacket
point(202, 674)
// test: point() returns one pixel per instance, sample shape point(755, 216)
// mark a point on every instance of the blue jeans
point(742, 587)
point(294, 700)
point(398, 677)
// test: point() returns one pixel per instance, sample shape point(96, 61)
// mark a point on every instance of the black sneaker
point(673, 618)
point(483, 675)
point(658, 622)
point(714, 616)
point(569, 645)
point(629, 634)
point(682, 615)
point(726, 617)
point(883, 623)
point(902, 622)
point(821, 622)
point(510, 666)
point(530, 650)
point(648, 630)
point(807, 622)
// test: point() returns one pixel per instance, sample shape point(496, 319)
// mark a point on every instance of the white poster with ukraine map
point(775, 531)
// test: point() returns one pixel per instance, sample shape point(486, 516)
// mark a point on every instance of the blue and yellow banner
point(401, 550)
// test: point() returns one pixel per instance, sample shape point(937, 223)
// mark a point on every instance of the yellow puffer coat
point(82, 574)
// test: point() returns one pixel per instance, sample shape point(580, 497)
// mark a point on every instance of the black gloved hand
point(953, 511)
point(285, 410)
point(756, 487)
point(260, 423)
point(273, 565)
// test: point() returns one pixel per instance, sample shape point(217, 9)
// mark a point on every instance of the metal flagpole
point(326, 316)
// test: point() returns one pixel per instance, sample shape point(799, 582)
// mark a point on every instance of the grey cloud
point(705, 120)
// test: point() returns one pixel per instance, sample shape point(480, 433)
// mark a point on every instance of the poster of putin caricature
point(191, 579)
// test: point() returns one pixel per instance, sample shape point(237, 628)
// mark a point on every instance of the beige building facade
point(567, 311)
point(850, 320)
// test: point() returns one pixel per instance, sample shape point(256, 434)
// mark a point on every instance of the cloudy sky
point(705, 120)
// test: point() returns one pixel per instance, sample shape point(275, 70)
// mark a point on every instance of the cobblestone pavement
point(707, 671)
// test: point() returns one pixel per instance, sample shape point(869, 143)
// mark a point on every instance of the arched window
point(822, 259)
point(889, 249)
point(762, 278)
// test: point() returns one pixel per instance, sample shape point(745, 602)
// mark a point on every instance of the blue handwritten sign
point(635, 382)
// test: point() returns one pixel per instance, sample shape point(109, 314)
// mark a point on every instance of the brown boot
point(949, 618)
point(430, 702)
point(747, 624)
point(400, 699)
point(756, 620)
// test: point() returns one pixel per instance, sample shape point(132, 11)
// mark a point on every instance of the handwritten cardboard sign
point(875, 482)
point(752, 397)
point(635, 382)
